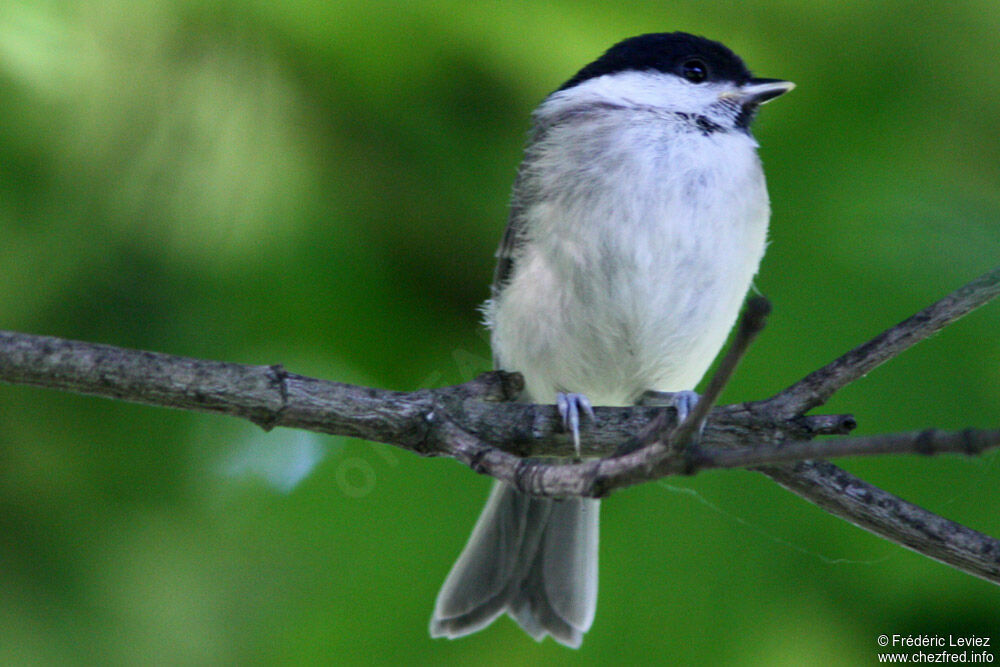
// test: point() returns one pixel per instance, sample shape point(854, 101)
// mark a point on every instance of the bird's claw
point(682, 401)
point(570, 406)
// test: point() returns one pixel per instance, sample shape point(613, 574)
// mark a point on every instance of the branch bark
point(478, 424)
point(421, 421)
point(869, 507)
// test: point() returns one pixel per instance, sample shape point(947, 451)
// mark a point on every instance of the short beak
point(758, 91)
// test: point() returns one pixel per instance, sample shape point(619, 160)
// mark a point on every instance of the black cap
point(666, 52)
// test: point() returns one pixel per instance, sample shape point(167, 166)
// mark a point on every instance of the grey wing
point(509, 243)
point(526, 194)
point(505, 265)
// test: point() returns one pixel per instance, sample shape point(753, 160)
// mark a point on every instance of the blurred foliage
point(322, 184)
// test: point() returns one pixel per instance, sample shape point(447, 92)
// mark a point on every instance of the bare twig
point(929, 442)
point(816, 388)
point(665, 434)
point(877, 511)
point(751, 323)
point(851, 498)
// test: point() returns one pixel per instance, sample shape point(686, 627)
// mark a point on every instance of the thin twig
point(751, 323)
point(930, 442)
point(848, 497)
point(851, 498)
point(816, 388)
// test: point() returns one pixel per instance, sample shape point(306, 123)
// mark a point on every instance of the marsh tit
point(638, 220)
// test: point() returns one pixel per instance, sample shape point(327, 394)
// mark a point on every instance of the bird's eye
point(694, 70)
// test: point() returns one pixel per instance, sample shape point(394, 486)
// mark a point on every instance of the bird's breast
point(633, 268)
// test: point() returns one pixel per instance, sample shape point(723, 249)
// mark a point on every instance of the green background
point(322, 184)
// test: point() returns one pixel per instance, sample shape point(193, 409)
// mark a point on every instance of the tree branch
point(477, 424)
point(421, 421)
point(929, 442)
point(869, 507)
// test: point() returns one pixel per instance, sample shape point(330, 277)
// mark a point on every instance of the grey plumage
point(527, 557)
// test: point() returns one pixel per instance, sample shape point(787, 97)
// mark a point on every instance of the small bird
point(638, 220)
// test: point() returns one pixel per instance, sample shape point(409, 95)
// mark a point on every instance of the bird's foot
point(682, 401)
point(570, 406)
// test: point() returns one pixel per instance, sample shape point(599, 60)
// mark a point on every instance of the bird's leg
point(570, 406)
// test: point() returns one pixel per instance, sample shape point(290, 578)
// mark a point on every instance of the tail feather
point(534, 558)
